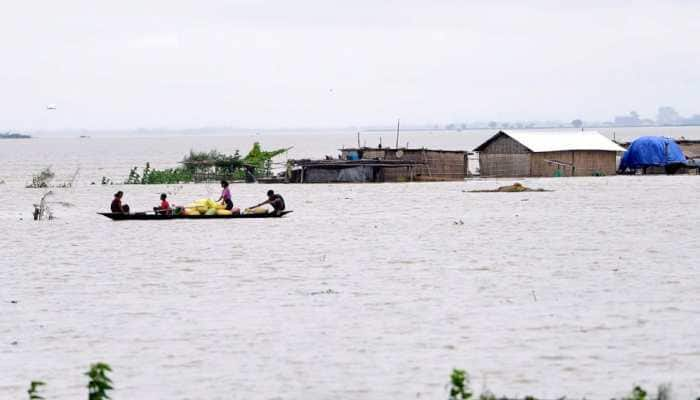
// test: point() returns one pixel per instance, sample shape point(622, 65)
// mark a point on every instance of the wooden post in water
point(398, 125)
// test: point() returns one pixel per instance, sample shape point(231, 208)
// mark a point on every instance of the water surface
point(365, 291)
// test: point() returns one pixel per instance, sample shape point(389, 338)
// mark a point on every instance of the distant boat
point(51, 107)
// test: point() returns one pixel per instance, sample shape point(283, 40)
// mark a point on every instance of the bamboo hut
point(570, 153)
point(430, 164)
point(377, 164)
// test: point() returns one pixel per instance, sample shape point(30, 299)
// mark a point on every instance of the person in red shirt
point(164, 207)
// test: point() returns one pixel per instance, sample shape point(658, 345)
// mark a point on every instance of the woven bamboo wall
point(690, 149)
point(586, 163)
point(504, 157)
point(504, 165)
point(438, 165)
point(591, 162)
point(434, 164)
point(371, 154)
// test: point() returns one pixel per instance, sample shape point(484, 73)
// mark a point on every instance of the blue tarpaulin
point(652, 151)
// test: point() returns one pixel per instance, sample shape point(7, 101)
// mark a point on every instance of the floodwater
point(366, 291)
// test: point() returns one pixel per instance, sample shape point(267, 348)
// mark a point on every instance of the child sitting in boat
point(225, 197)
point(164, 207)
point(117, 206)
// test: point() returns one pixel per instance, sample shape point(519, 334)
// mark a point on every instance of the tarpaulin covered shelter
point(652, 151)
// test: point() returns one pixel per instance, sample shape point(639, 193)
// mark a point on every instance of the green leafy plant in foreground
point(99, 383)
point(459, 389)
point(637, 394)
point(34, 390)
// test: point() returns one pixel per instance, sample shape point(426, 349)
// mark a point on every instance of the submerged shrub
point(42, 179)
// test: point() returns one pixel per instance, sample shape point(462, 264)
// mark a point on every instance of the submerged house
point(377, 164)
point(657, 155)
point(567, 153)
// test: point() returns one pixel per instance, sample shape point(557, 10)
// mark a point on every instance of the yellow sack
point(211, 211)
point(220, 206)
point(210, 203)
point(256, 210)
point(191, 211)
point(223, 212)
point(202, 209)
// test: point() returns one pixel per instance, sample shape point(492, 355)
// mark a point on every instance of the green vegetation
point(261, 160)
point(460, 390)
point(637, 394)
point(208, 165)
point(212, 157)
point(213, 162)
point(99, 383)
point(34, 390)
point(151, 176)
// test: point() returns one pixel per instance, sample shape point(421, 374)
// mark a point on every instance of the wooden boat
point(142, 216)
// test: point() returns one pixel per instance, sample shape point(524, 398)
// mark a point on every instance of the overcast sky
point(266, 64)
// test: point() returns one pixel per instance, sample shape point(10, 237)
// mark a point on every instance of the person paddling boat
point(275, 200)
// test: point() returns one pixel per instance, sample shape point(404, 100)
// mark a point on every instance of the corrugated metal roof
point(544, 141)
